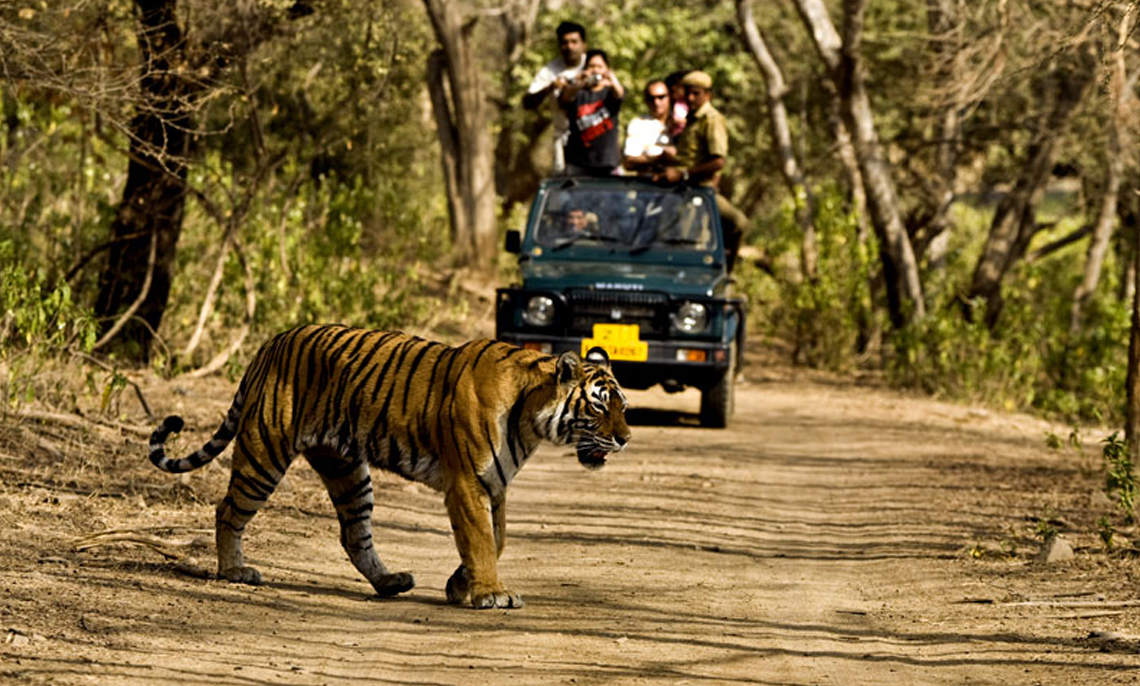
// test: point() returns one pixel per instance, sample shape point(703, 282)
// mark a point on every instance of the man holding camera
point(555, 76)
point(592, 102)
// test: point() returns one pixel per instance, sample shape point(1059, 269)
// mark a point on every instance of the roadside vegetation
point(289, 159)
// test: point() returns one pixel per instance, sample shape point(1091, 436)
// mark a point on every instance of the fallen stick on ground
point(79, 421)
point(1077, 603)
point(171, 549)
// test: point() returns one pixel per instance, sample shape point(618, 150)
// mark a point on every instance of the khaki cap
point(697, 79)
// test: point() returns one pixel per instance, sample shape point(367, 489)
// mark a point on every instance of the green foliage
point(829, 313)
point(1105, 530)
point(1006, 550)
point(1030, 360)
point(113, 388)
point(331, 275)
point(319, 148)
point(944, 354)
point(340, 212)
point(823, 318)
point(1120, 476)
point(1044, 526)
point(40, 322)
point(1075, 440)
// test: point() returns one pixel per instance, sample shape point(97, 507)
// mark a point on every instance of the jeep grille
point(650, 311)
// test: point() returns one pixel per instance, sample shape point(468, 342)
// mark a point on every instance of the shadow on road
point(648, 416)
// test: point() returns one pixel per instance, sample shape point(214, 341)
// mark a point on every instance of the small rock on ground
point(1056, 549)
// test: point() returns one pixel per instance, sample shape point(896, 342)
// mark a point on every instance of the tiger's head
point(592, 414)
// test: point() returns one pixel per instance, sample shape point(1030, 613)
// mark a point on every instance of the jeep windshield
point(634, 219)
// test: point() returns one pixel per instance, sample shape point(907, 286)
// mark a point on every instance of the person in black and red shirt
point(592, 103)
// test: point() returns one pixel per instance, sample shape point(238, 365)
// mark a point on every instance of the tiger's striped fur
point(462, 420)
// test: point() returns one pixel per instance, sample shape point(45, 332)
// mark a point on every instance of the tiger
point(461, 419)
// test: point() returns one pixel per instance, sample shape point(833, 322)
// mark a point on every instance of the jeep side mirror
point(513, 242)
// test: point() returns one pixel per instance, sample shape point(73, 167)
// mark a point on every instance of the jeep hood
point(693, 280)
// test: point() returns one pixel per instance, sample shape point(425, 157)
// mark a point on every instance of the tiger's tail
point(205, 454)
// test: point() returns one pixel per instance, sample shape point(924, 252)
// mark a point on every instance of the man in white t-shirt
point(647, 136)
point(552, 78)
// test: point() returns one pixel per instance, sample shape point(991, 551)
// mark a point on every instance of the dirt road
point(834, 535)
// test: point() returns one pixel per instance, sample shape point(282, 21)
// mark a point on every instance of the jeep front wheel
point(717, 400)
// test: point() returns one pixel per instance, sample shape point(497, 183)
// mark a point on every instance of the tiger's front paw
point(241, 575)
point(458, 586)
point(496, 599)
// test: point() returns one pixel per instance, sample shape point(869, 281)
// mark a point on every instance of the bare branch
point(93, 252)
point(126, 316)
point(138, 391)
point(250, 309)
point(782, 135)
point(211, 291)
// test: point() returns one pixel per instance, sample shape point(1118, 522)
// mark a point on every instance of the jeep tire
point(717, 400)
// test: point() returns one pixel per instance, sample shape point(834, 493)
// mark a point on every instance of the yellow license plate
point(620, 341)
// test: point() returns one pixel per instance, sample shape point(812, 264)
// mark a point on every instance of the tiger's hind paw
point(458, 586)
point(497, 599)
point(241, 575)
point(389, 585)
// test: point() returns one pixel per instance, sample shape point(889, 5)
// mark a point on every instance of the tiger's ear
point(598, 356)
point(569, 367)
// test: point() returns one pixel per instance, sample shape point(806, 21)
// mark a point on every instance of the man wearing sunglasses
point(647, 136)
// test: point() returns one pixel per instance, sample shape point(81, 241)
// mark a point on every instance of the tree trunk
point(1132, 414)
point(845, 149)
point(1128, 212)
point(520, 134)
point(1102, 234)
point(448, 145)
point(782, 136)
point(463, 127)
point(1119, 96)
point(900, 268)
point(943, 22)
point(154, 196)
point(1007, 238)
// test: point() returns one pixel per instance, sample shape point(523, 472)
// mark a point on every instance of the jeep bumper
point(670, 363)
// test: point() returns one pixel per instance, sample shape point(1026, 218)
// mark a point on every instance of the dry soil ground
point(836, 534)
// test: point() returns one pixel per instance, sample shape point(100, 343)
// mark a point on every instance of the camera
point(593, 79)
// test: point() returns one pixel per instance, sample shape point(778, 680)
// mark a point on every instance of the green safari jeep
point(638, 269)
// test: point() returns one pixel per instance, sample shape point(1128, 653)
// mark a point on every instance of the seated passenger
point(647, 136)
point(678, 105)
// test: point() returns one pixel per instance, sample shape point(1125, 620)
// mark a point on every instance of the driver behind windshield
point(663, 218)
point(573, 223)
point(576, 222)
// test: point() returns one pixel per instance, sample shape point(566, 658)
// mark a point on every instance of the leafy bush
point(1030, 360)
point(40, 322)
point(824, 319)
point(1120, 476)
point(333, 250)
point(943, 353)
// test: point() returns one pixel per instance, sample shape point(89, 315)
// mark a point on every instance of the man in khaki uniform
point(702, 151)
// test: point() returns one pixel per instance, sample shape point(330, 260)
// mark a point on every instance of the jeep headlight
point(691, 317)
point(539, 311)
